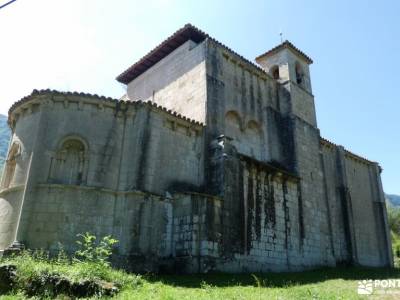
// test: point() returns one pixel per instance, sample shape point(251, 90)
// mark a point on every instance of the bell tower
point(290, 67)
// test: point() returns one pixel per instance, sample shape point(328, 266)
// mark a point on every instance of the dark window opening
point(299, 74)
point(275, 72)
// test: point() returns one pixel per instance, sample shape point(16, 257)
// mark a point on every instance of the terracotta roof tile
point(162, 50)
point(323, 140)
point(170, 44)
point(36, 93)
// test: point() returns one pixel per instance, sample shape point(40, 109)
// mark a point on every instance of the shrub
point(87, 274)
point(91, 251)
point(394, 219)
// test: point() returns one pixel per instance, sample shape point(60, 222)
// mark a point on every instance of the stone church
point(210, 162)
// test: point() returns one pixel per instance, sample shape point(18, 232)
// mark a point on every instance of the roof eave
point(286, 45)
point(188, 32)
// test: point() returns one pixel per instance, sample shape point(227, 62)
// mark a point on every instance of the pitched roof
point(188, 32)
point(286, 45)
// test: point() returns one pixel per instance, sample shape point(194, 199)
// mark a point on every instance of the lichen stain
point(259, 200)
point(286, 213)
point(252, 98)
point(269, 203)
point(250, 210)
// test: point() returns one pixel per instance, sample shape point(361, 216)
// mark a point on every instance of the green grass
point(327, 283)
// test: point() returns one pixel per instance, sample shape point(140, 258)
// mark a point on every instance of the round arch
point(233, 124)
point(253, 139)
point(69, 165)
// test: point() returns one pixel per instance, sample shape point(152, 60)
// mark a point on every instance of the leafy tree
point(394, 219)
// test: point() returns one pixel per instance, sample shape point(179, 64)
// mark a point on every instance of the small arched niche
point(253, 139)
point(11, 163)
point(70, 162)
point(233, 125)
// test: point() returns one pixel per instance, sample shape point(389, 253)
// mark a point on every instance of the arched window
point(275, 72)
point(11, 163)
point(69, 166)
point(299, 73)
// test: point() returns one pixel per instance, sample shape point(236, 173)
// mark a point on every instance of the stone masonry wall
point(176, 82)
point(10, 206)
point(303, 104)
point(197, 227)
point(318, 244)
point(127, 147)
point(261, 215)
point(243, 103)
point(187, 227)
point(368, 213)
point(11, 197)
point(332, 182)
point(268, 234)
point(358, 211)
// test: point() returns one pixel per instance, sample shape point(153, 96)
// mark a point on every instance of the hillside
point(4, 139)
point(394, 200)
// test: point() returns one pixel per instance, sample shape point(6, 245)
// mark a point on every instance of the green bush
point(394, 219)
point(394, 225)
point(42, 275)
point(91, 251)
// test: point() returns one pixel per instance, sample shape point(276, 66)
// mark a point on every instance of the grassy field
point(338, 283)
point(37, 274)
point(327, 283)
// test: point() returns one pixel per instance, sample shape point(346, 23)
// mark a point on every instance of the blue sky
point(83, 45)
